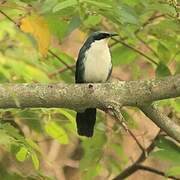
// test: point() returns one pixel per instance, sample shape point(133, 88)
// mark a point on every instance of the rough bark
point(75, 96)
point(81, 96)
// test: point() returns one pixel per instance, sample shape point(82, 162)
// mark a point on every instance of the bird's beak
point(110, 36)
point(114, 34)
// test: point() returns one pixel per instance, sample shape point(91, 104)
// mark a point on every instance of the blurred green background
point(43, 143)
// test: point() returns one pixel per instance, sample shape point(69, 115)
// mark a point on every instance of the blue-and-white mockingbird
point(93, 66)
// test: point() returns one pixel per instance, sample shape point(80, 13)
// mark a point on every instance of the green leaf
point(168, 144)
point(69, 116)
point(131, 3)
point(166, 156)
point(14, 148)
point(175, 103)
point(178, 66)
point(5, 139)
point(5, 73)
point(35, 161)
point(98, 4)
point(56, 132)
point(174, 171)
point(113, 165)
point(163, 33)
point(168, 150)
point(34, 145)
point(75, 22)
point(163, 52)
point(67, 58)
point(57, 26)
point(22, 154)
point(92, 172)
point(12, 131)
point(31, 119)
point(129, 119)
point(92, 148)
point(127, 15)
point(177, 57)
point(6, 28)
point(92, 20)
point(163, 8)
point(65, 4)
point(122, 55)
point(118, 149)
point(26, 71)
point(162, 70)
point(48, 5)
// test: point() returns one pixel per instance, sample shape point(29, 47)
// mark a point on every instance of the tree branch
point(82, 96)
point(161, 120)
point(74, 96)
point(137, 165)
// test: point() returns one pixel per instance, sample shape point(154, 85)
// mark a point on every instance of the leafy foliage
point(37, 26)
point(169, 150)
point(43, 26)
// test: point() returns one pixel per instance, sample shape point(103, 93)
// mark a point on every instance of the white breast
point(98, 62)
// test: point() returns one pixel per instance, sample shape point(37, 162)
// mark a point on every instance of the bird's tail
point(85, 122)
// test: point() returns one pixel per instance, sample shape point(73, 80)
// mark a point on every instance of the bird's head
point(99, 35)
point(99, 38)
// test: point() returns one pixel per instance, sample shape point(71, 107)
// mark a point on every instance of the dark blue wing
point(79, 75)
point(80, 68)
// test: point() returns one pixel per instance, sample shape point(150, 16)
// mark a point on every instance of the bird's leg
point(112, 107)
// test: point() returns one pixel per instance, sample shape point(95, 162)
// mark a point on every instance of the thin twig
point(51, 52)
point(175, 55)
point(155, 171)
point(149, 20)
point(132, 135)
point(60, 70)
point(147, 45)
point(61, 60)
point(136, 50)
point(121, 120)
point(44, 140)
point(133, 168)
point(10, 19)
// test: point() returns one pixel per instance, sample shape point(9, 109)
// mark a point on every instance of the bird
point(93, 65)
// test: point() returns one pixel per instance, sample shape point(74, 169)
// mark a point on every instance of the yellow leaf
point(37, 26)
